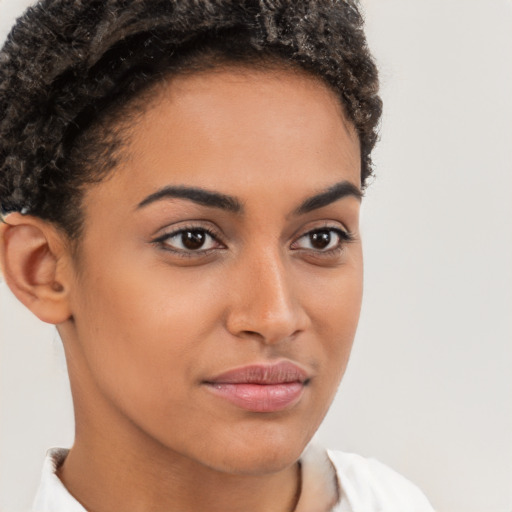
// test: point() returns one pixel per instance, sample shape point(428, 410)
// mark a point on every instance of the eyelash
point(345, 237)
point(161, 241)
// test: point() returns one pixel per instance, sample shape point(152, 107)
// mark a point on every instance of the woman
point(180, 187)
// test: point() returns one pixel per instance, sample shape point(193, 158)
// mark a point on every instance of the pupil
point(193, 239)
point(320, 239)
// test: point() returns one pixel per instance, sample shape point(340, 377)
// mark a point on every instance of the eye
point(322, 240)
point(189, 240)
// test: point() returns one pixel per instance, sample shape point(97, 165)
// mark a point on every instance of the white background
point(429, 387)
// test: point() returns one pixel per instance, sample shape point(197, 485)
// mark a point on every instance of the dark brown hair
point(70, 69)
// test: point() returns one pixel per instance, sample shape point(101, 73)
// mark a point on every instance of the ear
point(35, 262)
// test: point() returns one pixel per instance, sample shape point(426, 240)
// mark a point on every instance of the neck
point(107, 478)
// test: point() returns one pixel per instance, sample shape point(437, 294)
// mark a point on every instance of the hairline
point(122, 118)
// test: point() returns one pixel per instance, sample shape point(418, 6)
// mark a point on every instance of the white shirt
point(332, 481)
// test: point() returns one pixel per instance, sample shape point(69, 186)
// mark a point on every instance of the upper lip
point(265, 373)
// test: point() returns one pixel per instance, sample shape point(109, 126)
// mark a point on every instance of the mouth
point(262, 387)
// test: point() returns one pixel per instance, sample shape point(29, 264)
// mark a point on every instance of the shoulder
point(369, 485)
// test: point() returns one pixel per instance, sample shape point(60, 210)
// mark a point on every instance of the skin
point(144, 326)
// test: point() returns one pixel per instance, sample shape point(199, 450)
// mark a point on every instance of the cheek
point(142, 331)
point(334, 308)
point(333, 296)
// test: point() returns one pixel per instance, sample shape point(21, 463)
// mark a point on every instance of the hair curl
point(70, 68)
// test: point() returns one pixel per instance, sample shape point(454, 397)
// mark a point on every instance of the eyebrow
point(196, 195)
point(232, 204)
point(331, 195)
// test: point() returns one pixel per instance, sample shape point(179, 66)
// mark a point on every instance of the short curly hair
point(71, 69)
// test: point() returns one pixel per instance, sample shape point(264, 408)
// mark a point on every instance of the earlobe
point(32, 256)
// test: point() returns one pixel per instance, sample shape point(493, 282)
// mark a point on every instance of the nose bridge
point(266, 304)
point(274, 296)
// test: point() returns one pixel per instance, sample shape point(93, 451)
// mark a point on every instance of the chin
point(265, 451)
point(264, 462)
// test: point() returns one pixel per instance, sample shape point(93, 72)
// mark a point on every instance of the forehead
point(239, 128)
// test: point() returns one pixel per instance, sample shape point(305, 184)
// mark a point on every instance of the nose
point(264, 302)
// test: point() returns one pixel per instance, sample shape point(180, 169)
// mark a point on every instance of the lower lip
point(260, 397)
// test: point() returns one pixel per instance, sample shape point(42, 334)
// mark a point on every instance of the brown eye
point(189, 241)
point(320, 239)
point(193, 240)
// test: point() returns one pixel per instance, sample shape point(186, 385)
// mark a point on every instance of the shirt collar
point(320, 487)
point(51, 495)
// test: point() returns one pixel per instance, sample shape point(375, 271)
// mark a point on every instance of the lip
point(261, 387)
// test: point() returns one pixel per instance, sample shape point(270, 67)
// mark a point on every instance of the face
point(219, 281)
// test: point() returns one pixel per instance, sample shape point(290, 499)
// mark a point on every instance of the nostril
point(269, 336)
point(252, 334)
